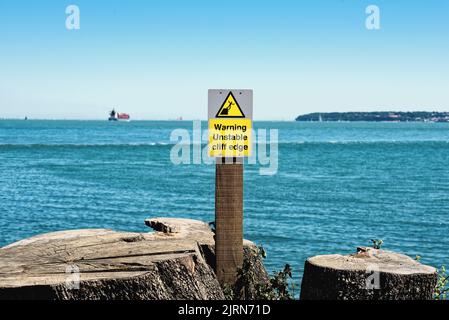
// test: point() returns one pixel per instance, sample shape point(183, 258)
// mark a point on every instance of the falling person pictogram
point(225, 111)
point(230, 108)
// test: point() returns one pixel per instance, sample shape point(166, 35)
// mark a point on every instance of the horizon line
point(132, 120)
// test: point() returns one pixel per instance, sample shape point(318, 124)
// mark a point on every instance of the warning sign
point(230, 123)
point(230, 108)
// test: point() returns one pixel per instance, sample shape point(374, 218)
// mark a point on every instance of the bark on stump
point(174, 262)
point(369, 274)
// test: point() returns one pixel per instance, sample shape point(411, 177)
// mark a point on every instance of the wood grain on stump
point(167, 264)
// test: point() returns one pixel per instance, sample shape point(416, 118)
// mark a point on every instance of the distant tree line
point(421, 116)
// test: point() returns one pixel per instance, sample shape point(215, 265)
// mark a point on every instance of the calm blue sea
point(338, 185)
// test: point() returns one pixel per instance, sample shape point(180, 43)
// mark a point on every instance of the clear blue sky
point(156, 59)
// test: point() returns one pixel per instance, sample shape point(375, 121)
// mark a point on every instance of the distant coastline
point(387, 116)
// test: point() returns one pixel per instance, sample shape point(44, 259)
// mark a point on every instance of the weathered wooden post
point(228, 219)
point(230, 126)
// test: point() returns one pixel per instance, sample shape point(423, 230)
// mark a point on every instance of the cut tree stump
point(369, 274)
point(170, 263)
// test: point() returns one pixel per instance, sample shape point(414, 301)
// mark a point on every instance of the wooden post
point(228, 220)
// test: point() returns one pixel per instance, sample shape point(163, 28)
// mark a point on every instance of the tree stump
point(174, 262)
point(369, 274)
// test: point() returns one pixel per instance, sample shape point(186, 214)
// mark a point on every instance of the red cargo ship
point(116, 116)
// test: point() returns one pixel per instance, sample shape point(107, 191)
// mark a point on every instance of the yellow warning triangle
point(230, 108)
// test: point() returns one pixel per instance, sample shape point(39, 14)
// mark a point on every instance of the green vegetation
point(248, 287)
point(377, 116)
point(442, 288)
point(280, 285)
point(377, 243)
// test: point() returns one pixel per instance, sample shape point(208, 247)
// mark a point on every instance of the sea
point(337, 185)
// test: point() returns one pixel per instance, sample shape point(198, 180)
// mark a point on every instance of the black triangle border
point(222, 106)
